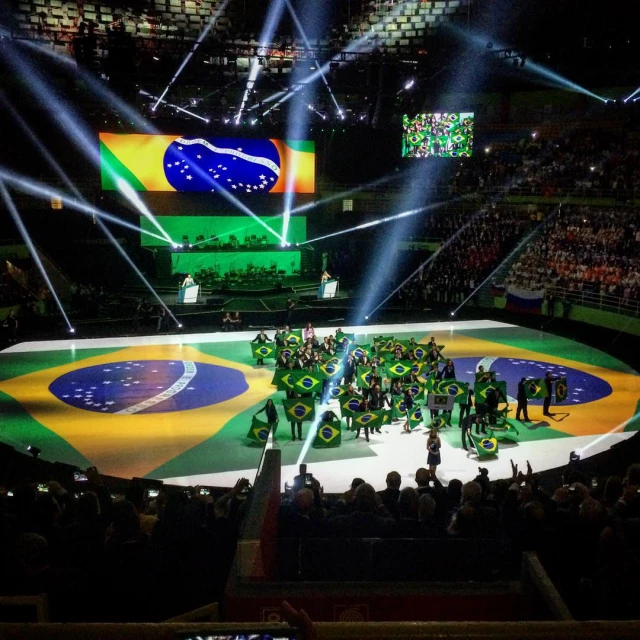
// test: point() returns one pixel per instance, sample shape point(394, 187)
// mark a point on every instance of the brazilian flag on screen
point(480, 389)
point(363, 377)
point(561, 389)
point(443, 419)
point(259, 431)
point(349, 405)
point(398, 368)
point(459, 390)
point(398, 408)
point(486, 447)
point(331, 369)
point(299, 409)
point(306, 382)
point(536, 388)
point(416, 416)
point(374, 418)
point(329, 434)
point(361, 350)
point(283, 379)
point(288, 351)
point(262, 351)
point(293, 338)
point(416, 390)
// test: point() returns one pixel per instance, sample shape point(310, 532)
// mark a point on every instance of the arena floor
point(178, 408)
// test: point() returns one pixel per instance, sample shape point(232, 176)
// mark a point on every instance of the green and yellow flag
point(398, 368)
point(293, 338)
point(299, 409)
point(361, 350)
point(381, 341)
point(403, 344)
point(288, 351)
point(420, 352)
point(259, 431)
point(416, 416)
point(329, 434)
point(339, 391)
point(262, 351)
point(283, 379)
point(485, 376)
point(363, 377)
point(331, 369)
point(418, 367)
point(443, 419)
point(561, 390)
point(344, 340)
point(306, 382)
point(459, 390)
point(386, 346)
point(398, 408)
point(480, 389)
point(507, 432)
point(349, 405)
point(416, 390)
point(536, 388)
point(374, 418)
point(486, 447)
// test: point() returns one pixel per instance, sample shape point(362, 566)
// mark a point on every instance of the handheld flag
point(343, 340)
point(259, 431)
point(416, 390)
point(415, 416)
point(459, 390)
point(485, 376)
point(331, 369)
point(361, 350)
point(299, 409)
point(535, 388)
point(386, 346)
point(262, 351)
point(306, 382)
point(293, 338)
point(399, 408)
point(403, 344)
point(561, 390)
point(329, 434)
point(374, 418)
point(485, 447)
point(507, 432)
point(443, 419)
point(380, 341)
point(288, 351)
point(349, 405)
point(363, 377)
point(338, 391)
point(283, 379)
point(480, 389)
point(398, 368)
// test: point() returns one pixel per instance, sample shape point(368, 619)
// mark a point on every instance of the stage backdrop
point(224, 262)
point(223, 227)
point(240, 166)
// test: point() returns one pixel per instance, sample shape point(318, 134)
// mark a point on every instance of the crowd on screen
point(132, 557)
point(584, 249)
point(586, 531)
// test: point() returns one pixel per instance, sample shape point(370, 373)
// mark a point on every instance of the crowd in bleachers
point(142, 556)
point(585, 531)
point(584, 249)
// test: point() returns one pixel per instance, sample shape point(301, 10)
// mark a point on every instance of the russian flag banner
point(523, 301)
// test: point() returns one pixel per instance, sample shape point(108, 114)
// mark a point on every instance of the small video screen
point(437, 135)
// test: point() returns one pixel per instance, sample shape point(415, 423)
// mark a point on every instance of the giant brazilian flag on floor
point(299, 409)
point(259, 431)
point(329, 434)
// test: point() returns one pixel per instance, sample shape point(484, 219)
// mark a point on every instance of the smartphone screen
point(153, 493)
point(43, 488)
point(79, 477)
point(204, 491)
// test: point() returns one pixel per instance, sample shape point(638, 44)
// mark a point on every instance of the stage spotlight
point(179, 325)
point(487, 149)
point(366, 317)
point(72, 330)
point(574, 457)
point(409, 84)
point(534, 134)
point(453, 313)
point(34, 451)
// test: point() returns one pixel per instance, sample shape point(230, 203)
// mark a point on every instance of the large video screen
point(437, 135)
point(240, 166)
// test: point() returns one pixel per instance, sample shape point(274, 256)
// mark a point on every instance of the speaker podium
point(188, 294)
point(328, 289)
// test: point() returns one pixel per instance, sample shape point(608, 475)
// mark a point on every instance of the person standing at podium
point(188, 281)
point(325, 277)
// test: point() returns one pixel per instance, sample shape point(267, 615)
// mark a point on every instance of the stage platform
point(179, 407)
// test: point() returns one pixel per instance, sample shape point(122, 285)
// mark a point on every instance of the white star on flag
point(224, 168)
point(199, 157)
point(233, 186)
point(228, 179)
point(180, 148)
point(190, 388)
point(104, 409)
point(181, 170)
point(240, 184)
point(65, 396)
point(169, 165)
point(216, 175)
point(77, 396)
point(248, 189)
point(189, 178)
point(219, 166)
point(579, 389)
point(106, 382)
point(262, 186)
point(136, 382)
point(126, 384)
point(262, 177)
point(110, 402)
point(271, 179)
point(239, 148)
point(235, 158)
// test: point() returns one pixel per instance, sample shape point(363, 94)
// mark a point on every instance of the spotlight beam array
point(13, 212)
point(203, 34)
point(633, 95)
point(174, 106)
